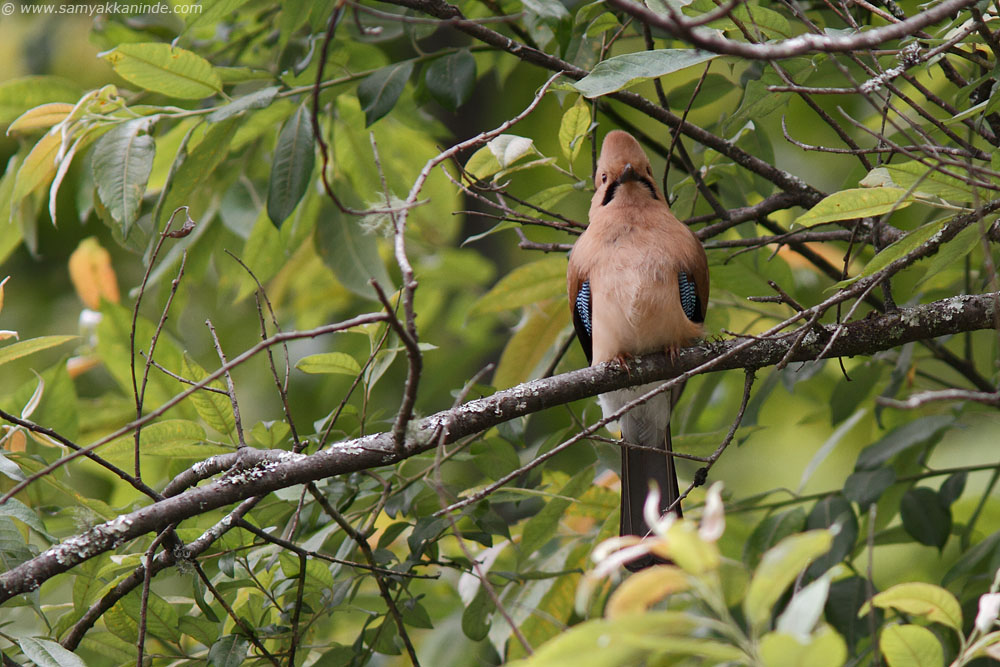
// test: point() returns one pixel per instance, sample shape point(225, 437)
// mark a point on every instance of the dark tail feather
point(639, 468)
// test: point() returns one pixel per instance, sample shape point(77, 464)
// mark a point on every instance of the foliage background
point(481, 299)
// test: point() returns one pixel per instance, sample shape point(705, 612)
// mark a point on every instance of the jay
point(638, 283)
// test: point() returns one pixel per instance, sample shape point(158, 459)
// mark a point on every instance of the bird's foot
point(672, 352)
point(623, 360)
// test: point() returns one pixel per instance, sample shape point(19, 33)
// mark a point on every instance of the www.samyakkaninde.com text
point(87, 9)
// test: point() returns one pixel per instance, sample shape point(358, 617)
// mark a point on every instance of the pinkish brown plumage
point(638, 283)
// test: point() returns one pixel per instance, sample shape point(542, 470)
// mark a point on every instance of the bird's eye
point(604, 178)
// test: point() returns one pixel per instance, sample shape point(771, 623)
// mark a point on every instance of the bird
point(638, 283)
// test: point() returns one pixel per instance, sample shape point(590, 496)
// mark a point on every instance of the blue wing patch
point(689, 297)
point(582, 321)
point(583, 307)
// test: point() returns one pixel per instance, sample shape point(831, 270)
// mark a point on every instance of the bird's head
point(623, 170)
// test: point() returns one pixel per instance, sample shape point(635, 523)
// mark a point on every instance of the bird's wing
point(580, 304)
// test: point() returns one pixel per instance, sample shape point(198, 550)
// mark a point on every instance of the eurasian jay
point(638, 283)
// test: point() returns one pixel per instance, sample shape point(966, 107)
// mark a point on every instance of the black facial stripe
point(610, 194)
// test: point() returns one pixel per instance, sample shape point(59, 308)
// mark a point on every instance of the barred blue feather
point(583, 307)
point(689, 297)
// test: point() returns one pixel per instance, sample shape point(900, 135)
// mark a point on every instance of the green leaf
point(573, 129)
point(166, 69)
point(215, 408)
point(772, 23)
point(263, 253)
point(843, 603)
point(198, 165)
point(758, 102)
point(450, 79)
point(899, 248)
point(628, 69)
point(778, 569)
point(258, 99)
point(629, 640)
point(918, 432)
point(926, 516)
point(123, 160)
point(30, 346)
point(109, 647)
point(980, 559)
point(212, 12)
point(949, 256)
point(910, 646)
point(329, 362)
point(229, 651)
point(14, 508)
point(161, 617)
point(865, 487)
point(833, 511)
point(475, 618)
point(952, 488)
point(825, 648)
point(380, 90)
point(176, 438)
point(921, 178)
point(921, 599)
point(525, 285)
point(19, 95)
point(770, 531)
point(196, 627)
point(856, 203)
point(45, 653)
point(546, 9)
point(351, 253)
point(533, 345)
point(542, 527)
point(293, 166)
point(494, 457)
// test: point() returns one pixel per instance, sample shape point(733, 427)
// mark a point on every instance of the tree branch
point(280, 469)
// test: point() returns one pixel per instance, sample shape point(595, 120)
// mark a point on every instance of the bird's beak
point(628, 174)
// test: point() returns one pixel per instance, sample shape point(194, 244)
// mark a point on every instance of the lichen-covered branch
point(277, 470)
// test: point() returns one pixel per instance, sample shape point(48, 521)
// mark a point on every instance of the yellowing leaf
point(573, 129)
point(856, 203)
point(910, 646)
point(77, 366)
point(2, 283)
point(921, 599)
point(40, 118)
point(686, 547)
point(645, 588)
point(824, 648)
point(779, 567)
point(38, 168)
point(92, 274)
point(165, 69)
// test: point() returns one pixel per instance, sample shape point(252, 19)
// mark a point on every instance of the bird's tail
point(647, 426)
point(640, 467)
